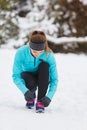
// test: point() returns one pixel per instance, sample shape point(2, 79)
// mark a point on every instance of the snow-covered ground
point(67, 111)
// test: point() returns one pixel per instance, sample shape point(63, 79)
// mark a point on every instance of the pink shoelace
point(40, 104)
point(30, 102)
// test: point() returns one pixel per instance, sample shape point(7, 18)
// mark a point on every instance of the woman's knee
point(44, 66)
point(23, 75)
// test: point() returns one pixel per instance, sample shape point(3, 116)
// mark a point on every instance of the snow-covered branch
point(63, 40)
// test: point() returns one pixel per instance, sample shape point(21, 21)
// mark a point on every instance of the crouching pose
point(34, 70)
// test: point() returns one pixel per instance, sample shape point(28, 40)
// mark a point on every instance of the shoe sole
point(30, 107)
point(40, 111)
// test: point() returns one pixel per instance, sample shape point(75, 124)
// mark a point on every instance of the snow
point(84, 2)
point(68, 109)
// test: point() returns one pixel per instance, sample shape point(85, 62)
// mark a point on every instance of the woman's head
point(38, 41)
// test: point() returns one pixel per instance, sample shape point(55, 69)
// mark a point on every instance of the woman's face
point(36, 53)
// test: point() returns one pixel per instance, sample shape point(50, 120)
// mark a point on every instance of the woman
point(34, 69)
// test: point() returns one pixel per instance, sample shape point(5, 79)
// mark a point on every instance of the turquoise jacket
point(24, 61)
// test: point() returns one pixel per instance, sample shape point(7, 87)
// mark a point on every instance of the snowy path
point(68, 110)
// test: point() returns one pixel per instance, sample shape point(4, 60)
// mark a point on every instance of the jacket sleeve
point(17, 69)
point(53, 78)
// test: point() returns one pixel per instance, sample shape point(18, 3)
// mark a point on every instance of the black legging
point(40, 80)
